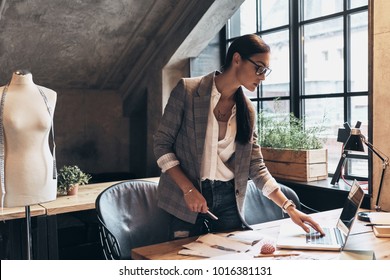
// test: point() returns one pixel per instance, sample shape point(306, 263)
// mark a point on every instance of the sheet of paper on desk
point(201, 250)
point(212, 245)
point(380, 218)
point(249, 237)
point(224, 243)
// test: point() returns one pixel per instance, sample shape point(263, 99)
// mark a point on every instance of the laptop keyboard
point(314, 237)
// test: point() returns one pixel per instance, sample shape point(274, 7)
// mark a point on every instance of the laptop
point(292, 236)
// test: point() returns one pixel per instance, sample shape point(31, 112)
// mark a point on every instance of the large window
point(319, 64)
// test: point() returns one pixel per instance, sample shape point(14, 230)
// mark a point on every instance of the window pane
point(276, 107)
point(318, 8)
point(357, 3)
point(255, 104)
point(359, 52)
point(323, 57)
point(332, 112)
point(244, 20)
point(278, 82)
point(356, 168)
point(277, 110)
point(359, 112)
point(273, 13)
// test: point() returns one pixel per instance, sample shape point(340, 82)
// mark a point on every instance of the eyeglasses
point(260, 70)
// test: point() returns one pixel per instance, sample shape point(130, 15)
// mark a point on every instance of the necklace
point(220, 116)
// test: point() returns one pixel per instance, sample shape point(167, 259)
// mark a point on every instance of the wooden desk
point(19, 212)
point(361, 238)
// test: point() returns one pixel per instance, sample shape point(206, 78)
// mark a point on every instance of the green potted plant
point(70, 177)
point(290, 150)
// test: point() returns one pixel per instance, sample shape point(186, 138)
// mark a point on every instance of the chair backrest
point(129, 217)
point(260, 209)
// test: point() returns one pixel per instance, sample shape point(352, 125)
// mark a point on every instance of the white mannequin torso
point(28, 159)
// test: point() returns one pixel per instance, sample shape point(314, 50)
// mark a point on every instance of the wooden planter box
point(297, 165)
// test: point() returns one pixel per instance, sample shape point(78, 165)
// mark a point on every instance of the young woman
point(207, 148)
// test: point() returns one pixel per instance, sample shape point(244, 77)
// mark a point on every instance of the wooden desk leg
point(52, 237)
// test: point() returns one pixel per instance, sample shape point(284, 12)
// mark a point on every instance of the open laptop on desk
point(292, 236)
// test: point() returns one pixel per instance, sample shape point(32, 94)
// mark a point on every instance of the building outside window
point(319, 62)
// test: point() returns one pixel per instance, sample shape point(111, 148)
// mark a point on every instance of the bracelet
point(284, 203)
point(189, 191)
point(287, 204)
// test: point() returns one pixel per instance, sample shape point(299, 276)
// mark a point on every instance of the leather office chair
point(129, 217)
point(260, 209)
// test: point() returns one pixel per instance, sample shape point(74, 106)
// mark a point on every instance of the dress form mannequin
point(28, 162)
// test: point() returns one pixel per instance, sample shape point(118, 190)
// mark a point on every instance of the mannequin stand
point(28, 232)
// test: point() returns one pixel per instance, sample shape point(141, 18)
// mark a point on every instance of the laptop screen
point(351, 207)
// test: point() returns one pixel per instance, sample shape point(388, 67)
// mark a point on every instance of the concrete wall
point(381, 98)
point(91, 131)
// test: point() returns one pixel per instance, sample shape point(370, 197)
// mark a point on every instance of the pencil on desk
point(277, 255)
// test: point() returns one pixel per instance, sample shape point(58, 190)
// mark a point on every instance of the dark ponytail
point(243, 118)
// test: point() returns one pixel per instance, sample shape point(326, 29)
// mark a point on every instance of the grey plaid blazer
point(182, 131)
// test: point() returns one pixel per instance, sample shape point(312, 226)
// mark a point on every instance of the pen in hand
point(212, 215)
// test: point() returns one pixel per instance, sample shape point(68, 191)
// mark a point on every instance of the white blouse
point(217, 152)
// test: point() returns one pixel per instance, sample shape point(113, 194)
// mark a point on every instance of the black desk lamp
point(354, 145)
point(355, 142)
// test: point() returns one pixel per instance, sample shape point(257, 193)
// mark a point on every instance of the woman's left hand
point(303, 220)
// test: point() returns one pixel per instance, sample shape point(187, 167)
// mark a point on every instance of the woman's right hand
point(193, 198)
point(195, 201)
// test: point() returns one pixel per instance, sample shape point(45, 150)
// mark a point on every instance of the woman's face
point(248, 73)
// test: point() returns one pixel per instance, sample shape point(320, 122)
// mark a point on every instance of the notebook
point(381, 223)
point(292, 236)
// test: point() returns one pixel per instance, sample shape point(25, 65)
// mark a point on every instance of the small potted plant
point(70, 177)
